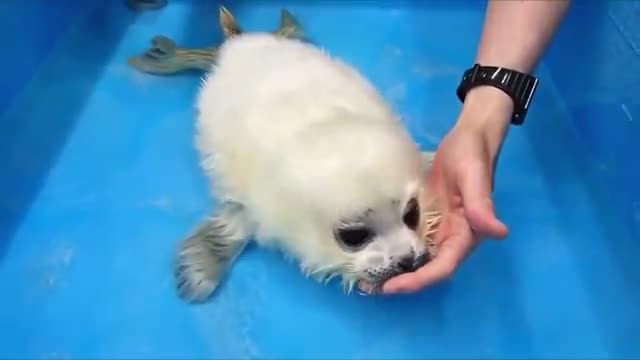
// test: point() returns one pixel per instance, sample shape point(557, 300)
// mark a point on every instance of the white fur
point(302, 140)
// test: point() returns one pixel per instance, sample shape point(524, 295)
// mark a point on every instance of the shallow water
point(101, 182)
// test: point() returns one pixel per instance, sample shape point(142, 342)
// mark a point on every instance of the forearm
point(515, 36)
point(517, 33)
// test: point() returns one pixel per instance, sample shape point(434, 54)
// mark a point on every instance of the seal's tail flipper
point(289, 26)
point(205, 256)
point(228, 23)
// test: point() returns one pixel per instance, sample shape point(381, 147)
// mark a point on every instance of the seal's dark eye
point(411, 215)
point(353, 237)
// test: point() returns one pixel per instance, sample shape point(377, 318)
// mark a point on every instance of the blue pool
point(99, 181)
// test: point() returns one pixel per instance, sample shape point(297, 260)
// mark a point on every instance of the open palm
point(462, 176)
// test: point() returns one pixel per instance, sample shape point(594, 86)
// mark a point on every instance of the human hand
point(462, 178)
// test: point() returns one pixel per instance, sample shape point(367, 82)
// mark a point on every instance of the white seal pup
point(304, 154)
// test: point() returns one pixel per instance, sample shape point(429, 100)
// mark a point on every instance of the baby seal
point(306, 156)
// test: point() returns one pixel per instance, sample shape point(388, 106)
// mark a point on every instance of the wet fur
point(287, 158)
point(206, 255)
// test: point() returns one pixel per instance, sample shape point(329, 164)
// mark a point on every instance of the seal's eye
point(353, 237)
point(411, 215)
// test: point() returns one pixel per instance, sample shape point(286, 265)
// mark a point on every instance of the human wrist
point(488, 111)
point(489, 105)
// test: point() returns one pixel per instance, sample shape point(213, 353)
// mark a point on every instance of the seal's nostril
point(421, 260)
point(409, 263)
point(406, 263)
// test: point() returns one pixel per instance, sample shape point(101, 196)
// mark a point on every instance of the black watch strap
point(519, 86)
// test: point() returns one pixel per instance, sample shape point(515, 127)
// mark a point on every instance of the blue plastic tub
point(99, 181)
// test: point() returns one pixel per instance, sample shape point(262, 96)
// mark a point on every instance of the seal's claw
point(207, 254)
point(193, 282)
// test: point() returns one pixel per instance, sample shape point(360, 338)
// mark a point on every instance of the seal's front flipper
point(205, 256)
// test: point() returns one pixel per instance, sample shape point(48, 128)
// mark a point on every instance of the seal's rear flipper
point(205, 256)
point(289, 26)
point(228, 23)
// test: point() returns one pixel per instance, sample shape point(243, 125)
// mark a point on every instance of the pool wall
point(594, 61)
point(34, 34)
point(31, 29)
point(595, 64)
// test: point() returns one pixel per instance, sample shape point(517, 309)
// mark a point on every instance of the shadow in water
point(39, 121)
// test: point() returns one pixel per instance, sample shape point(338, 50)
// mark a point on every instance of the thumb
point(475, 188)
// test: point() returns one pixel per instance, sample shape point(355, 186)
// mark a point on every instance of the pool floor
point(101, 182)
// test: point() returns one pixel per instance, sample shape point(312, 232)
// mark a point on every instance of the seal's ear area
point(207, 254)
point(428, 158)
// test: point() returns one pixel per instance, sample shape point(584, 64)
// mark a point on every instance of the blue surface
point(99, 181)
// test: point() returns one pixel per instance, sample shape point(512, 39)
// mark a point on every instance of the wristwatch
point(519, 86)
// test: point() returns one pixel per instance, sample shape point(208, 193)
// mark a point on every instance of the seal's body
point(304, 154)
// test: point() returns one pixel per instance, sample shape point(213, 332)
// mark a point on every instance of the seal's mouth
point(374, 286)
point(368, 285)
point(373, 280)
point(368, 288)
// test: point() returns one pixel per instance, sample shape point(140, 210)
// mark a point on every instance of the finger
point(475, 188)
point(451, 254)
point(481, 217)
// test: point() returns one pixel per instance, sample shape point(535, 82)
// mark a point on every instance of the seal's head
point(386, 240)
point(355, 201)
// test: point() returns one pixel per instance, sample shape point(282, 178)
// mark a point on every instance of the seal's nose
point(406, 264)
point(410, 263)
point(421, 260)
